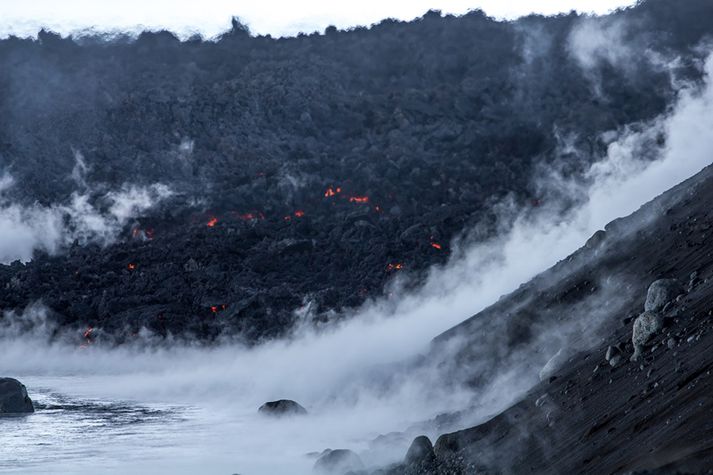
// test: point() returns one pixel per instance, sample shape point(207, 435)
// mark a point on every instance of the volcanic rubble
point(621, 396)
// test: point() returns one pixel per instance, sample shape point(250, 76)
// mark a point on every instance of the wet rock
point(282, 407)
point(646, 325)
point(14, 398)
point(660, 293)
point(338, 462)
point(420, 452)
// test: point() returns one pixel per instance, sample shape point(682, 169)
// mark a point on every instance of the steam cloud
point(84, 217)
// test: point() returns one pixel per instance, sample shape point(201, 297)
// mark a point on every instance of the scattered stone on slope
point(282, 407)
point(646, 325)
point(14, 398)
point(660, 293)
point(613, 356)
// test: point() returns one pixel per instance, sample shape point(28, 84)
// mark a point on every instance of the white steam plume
point(49, 228)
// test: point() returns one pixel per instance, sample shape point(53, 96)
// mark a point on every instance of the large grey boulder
point(660, 293)
point(646, 325)
point(282, 407)
point(338, 462)
point(14, 398)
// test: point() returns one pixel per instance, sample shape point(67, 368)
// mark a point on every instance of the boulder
point(613, 356)
point(646, 325)
point(553, 364)
point(14, 398)
point(338, 462)
point(420, 452)
point(660, 293)
point(282, 407)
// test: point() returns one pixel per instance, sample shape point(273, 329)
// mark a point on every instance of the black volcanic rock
point(338, 462)
point(282, 407)
point(14, 398)
point(420, 452)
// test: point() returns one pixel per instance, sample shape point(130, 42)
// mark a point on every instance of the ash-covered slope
point(595, 410)
point(308, 169)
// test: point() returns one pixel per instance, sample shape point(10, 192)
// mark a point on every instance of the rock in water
point(283, 407)
point(14, 398)
point(420, 452)
point(646, 325)
point(660, 293)
point(338, 462)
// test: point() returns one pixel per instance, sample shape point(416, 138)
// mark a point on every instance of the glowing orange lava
point(332, 191)
point(392, 267)
point(358, 199)
point(138, 233)
point(131, 266)
point(435, 245)
point(299, 213)
point(212, 222)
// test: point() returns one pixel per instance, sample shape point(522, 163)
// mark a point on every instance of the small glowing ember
point(217, 308)
point(138, 233)
point(212, 222)
point(299, 213)
point(358, 199)
point(392, 267)
point(332, 191)
point(435, 245)
point(88, 332)
point(131, 266)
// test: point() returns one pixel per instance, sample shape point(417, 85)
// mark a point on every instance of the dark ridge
point(592, 413)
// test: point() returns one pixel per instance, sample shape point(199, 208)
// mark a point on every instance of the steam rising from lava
point(85, 217)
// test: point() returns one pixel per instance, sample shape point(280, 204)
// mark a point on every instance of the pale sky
point(276, 17)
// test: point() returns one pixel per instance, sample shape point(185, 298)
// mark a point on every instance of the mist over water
point(194, 410)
